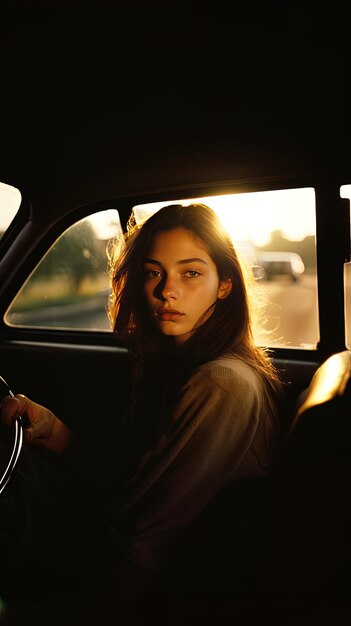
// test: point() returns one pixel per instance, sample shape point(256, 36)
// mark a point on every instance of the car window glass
point(274, 231)
point(69, 288)
point(10, 200)
point(345, 192)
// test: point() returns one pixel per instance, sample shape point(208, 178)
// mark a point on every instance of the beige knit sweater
point(221, 431)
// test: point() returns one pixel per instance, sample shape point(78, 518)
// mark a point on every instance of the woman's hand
point(42, 428)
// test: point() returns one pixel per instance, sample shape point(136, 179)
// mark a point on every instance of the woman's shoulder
point(226, 371)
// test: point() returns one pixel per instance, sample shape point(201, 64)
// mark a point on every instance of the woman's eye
point(152, 273)
point(191, 274)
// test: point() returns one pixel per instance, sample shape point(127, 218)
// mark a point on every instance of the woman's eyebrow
point(181, 261)
point(153, 261)
point(193, 260)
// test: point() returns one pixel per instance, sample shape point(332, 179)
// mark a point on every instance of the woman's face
point(181, 282)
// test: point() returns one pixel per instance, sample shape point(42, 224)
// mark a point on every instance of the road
point(292, 312)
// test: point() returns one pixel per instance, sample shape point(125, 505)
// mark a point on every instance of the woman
point(205, 409)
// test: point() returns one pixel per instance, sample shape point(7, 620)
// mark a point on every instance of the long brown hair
point(227, 330)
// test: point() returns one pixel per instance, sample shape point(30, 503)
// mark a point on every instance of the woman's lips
point(168, 315)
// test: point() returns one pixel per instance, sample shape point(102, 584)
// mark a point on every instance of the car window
point(345, 192)
point(274, 232)
point(10, 201)
point(69, 288)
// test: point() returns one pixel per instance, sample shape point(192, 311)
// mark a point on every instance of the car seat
point(311, 485)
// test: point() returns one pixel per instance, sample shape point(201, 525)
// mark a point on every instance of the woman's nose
point(170, 288)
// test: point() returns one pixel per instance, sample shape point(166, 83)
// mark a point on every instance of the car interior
point(114, 108)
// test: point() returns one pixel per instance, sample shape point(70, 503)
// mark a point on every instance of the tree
point(77, 254)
